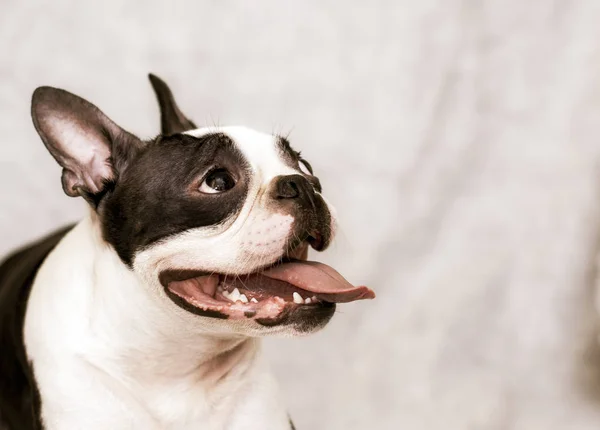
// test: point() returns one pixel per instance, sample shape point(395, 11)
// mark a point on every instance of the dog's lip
point(270, 311)
point(276, 287)
point(308, 276)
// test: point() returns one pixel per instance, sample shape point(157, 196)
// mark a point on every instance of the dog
point(148, 313)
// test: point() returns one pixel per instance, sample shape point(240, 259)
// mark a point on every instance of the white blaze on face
point(260, 150)
point(255, 237)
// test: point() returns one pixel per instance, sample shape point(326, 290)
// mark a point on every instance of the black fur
point(296, 195)
point(303, 318)
point(19, 398)
point(293, 159)
point(157, 196)
point(172, 120)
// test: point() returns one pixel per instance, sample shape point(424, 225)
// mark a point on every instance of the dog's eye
point(305, 167)
point(217, 181)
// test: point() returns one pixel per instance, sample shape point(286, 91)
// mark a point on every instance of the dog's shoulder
point(19, 403)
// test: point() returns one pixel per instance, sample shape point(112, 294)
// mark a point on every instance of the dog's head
point(217, 221)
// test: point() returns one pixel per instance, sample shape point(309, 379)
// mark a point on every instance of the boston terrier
point(148, 313)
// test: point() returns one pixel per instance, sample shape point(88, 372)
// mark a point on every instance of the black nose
point(292, 187)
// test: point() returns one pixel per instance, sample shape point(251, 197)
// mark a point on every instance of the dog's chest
point(119, 366)
point(250, 403)
point(183, 405)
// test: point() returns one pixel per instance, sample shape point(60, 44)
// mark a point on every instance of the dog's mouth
point(269, 296)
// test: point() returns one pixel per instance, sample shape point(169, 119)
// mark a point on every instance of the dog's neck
point(138, 358)
point(140, 337)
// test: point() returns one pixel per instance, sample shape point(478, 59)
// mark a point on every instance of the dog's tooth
point(297, 298)
point(253, 300)
point(234, 295)
point(314, 298)
point(307, 301)
point(243, 298)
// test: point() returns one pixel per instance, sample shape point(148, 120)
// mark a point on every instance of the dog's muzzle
point(296, 195)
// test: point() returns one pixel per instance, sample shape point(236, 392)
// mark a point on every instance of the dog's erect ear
point(171, 119)
point(89, 146)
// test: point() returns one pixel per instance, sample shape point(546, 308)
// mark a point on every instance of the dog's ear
point(171, 119)
point(89, 146)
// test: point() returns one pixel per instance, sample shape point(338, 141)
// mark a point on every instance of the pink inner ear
point(80, 137)
point(84, 156)
point(97, 171)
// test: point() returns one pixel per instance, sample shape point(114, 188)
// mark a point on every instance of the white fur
point(260, 150)
point(109, 350)
point(108, 355)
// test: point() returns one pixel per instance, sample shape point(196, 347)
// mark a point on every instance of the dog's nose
point(292, 187)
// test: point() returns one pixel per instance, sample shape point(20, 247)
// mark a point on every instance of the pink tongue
point(321, 279)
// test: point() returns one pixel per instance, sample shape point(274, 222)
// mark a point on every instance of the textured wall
point(459, 140)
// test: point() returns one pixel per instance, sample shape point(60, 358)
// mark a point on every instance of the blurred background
point(458, 139)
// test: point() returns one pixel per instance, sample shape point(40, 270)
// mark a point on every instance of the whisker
point(242, 282)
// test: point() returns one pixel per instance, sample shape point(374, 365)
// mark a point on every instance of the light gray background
point(459, 140)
